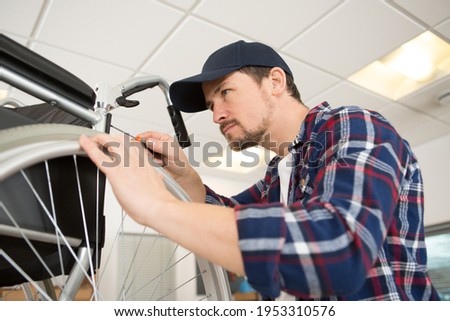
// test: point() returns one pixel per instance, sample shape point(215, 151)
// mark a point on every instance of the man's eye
point(225, 92)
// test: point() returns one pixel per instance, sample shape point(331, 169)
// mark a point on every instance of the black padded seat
point(38, 69)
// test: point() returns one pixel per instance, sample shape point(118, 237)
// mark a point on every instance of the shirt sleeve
point(325, 244)
point(249, 196)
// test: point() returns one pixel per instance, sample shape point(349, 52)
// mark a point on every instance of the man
point(339, 214)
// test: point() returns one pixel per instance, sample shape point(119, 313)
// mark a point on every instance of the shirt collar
point(314, 115)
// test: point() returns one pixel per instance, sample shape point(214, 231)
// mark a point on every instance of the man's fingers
point(160, 143)
point(91, 145)
point(157, 136)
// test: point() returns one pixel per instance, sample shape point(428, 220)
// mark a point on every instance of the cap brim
point(187, 94)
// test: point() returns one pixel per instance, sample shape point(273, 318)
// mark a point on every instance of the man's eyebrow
point(208, 103)
point(218, 88)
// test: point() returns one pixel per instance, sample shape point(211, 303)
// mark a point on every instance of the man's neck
point(285, 127)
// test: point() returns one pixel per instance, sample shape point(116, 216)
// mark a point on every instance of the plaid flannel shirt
point(353, 225)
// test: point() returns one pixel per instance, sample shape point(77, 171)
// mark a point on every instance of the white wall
point(224, 186)
point(434, 158)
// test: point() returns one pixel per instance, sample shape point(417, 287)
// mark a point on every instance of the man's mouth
point(225, 127)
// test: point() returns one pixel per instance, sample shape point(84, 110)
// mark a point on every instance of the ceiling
point(323, 41)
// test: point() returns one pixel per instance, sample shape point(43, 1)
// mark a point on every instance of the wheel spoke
point(119, 272)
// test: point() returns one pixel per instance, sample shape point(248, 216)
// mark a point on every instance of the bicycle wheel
point(56, 243)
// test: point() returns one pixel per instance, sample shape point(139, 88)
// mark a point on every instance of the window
point(438, 248)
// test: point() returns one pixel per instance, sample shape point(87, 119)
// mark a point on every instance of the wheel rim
point(28, 145)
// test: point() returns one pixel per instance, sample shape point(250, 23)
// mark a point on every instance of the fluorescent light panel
point(413, 65)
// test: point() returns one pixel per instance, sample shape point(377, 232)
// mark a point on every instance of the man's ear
point(278, 78)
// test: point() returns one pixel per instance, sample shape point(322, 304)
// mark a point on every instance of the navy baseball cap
point(187, 94)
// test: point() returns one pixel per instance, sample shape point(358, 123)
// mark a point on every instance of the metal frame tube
point(49, 96)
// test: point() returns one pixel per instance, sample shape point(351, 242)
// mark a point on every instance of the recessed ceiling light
point(413, 65)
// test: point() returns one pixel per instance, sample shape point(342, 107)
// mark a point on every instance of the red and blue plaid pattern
point(353, 226)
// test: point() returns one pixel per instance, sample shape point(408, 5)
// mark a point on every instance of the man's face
point(241, 107)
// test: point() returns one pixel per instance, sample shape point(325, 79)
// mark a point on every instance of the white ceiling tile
point(187, 50)
point(403, 118)
point(345, 94)
point(268, 21)
point(444, 29)
point(91, 71)
point(14, 19)
point(309, 80)
point(425, 132)
point(121, 32)
point(431, 12)
point(446, 119)
point(348, 39)
point(426, 101)
point(184, 4)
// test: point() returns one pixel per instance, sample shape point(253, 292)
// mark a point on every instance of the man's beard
point(248, 138)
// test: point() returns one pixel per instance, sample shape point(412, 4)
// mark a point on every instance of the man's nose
point(219, 113)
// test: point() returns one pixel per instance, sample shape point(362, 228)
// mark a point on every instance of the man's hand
point(170, 155)
point(137, 186)
point(209, 231)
